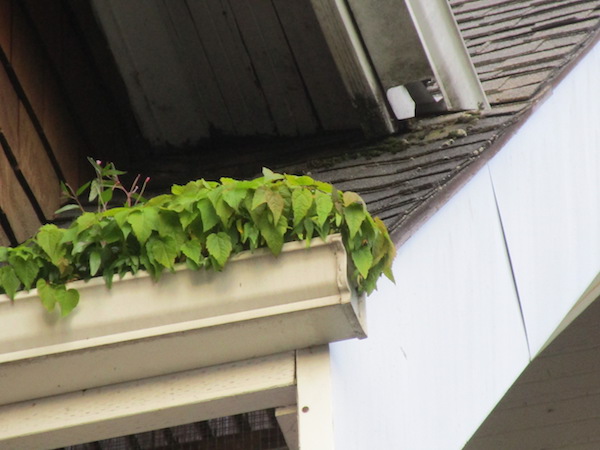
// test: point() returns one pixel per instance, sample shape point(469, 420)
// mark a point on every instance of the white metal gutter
point(258, 305)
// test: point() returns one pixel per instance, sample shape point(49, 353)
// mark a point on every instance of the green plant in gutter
point(201, 224)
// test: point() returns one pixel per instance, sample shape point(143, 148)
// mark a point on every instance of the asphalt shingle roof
point(520, 49)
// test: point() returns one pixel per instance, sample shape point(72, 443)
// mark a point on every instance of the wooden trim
point(315, 410)
point(354, 66)
point(151, 403)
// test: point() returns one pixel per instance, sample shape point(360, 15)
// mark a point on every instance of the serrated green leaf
point(85, 221)
point(163, 251)
point(208, 215)
point(351, 197)
point(192, 250)
point(269, 175)
point(143, 222)
point(324, 205)
point(219, 247)
point(302, 200)
point(26, 270)
point(275, 203)
point(363, 260)
point(354, 215)
point(49, 238)
point(95, 261)
point(271, 234)
point(9, 281)
point(234, 196)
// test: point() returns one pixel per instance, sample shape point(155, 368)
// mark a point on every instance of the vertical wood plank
point(275, 67)
point(36, 166)
point(28, 62)
point(13, 201)
point(5, 26)
point(355, 68)
point(192, 56)
point(232, 66)
point(316, 65)
point(4, 241)
point(9, 109)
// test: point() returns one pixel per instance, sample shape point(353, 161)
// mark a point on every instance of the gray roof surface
point(520, 50)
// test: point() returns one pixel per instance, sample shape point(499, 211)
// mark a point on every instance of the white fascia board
point(547, 182)
point(258, 305)
point(445, 342)
point(464, 319)
point(149, 404)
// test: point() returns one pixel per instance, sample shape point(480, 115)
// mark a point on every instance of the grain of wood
point(232, 66)
point(275, 67)
point(352, 62)
point(6, 27)
point(36, 166)
point(28, 62)
point(317, 68)
point(15, 204)
point(193, 58)
point(9, 109)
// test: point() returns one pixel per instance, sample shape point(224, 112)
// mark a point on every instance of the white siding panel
point(548, 188)
point(444, 343)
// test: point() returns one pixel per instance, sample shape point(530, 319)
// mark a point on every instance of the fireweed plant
point(201, 224)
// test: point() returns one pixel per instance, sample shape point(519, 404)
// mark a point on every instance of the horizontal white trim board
point(258, 305)
point(449, 339)
point(152, 403)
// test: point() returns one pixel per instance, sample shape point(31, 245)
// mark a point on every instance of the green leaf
point(362, 260)
point(302, 200)
point(3, 254)
point(271, 234)
point(95, 261)
point(85, 221)
point(275, 203)
point(192, 250)
point(234, 196)
point(219, 247)
point(354, 215)
point(65, 208)
point(270, 175)
point(251, 233)
point(208, 215)
point(143, 222)
point(46, 294)
point(9, 281)
point(351, 197)
point(49, 239)
point(324, 205)
point(163, 251)
point(26, 270)
point(82, 188)
point(68, 300)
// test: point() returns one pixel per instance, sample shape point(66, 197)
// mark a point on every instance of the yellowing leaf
point(362, 259)
point(302, 200)
point(354, 214)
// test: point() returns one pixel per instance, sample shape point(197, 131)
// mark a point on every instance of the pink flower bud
point(98, 162)
point(147, 179)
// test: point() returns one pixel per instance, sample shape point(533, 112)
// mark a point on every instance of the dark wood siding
point(39, 142)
